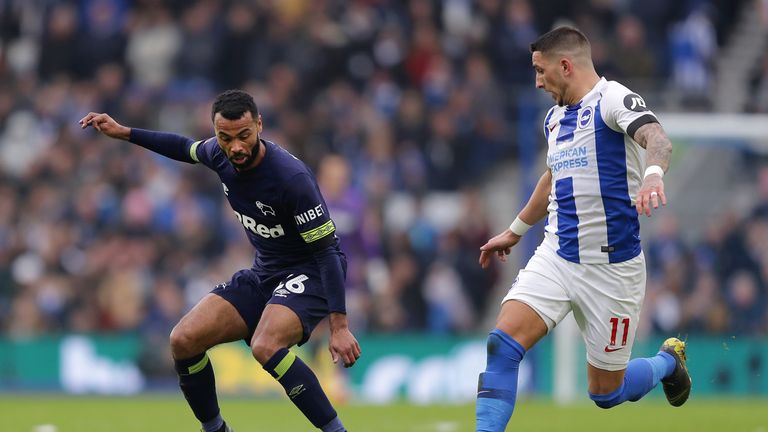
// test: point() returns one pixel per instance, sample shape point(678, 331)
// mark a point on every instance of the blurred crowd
point(390, 102)
point(719, 282)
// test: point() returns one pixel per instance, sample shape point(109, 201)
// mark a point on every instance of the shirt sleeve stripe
point(193, 151)
point(319, 232)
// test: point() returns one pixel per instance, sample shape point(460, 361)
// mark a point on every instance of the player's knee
point(503, 351)
point(263, 347)
point(182, 343)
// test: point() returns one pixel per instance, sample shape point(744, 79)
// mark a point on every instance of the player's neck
point(582, 87)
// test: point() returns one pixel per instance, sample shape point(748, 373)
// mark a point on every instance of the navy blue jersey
point(278, 202)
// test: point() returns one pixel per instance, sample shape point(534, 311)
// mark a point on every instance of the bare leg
point(522, 323)
point(602, 381)
point(211, 322)
point(278, 328)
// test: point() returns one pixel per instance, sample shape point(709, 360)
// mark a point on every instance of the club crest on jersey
point(585, 117)
point(266, 209)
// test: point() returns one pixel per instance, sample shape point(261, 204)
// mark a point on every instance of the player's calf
point(497, 386)
point(303, 389)
point(641, 376)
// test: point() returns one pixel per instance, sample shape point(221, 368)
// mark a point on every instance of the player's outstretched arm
point(342, 344)
point(106, 125)
point(534, 211)
point(170, 145)
point(658, 151)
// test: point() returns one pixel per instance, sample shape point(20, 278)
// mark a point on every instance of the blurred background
point(421, 120)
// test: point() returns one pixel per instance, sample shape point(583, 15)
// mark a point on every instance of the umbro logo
point(299, 389)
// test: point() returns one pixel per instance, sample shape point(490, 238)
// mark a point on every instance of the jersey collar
point(598, 86)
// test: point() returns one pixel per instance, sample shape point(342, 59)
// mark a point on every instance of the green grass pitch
point(26, 413)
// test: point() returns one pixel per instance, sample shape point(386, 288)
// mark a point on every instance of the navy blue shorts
point(299, 288)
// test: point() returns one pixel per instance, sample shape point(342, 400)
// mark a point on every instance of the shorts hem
point(549, 322)
point(611, 367)
point(251, 327)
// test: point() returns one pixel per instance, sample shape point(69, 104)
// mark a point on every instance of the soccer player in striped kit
point(590, 262)
point(297, 278)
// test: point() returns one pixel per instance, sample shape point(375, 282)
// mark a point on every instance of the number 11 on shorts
point(614, 331)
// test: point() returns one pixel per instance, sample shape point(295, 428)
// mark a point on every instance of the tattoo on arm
point(654, 140)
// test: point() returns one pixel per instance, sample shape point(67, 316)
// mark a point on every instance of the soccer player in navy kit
point(297, 278)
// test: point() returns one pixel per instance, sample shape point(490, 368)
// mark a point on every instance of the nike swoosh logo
point(610, 350)
point(551, 128)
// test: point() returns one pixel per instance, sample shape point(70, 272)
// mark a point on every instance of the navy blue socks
point(302, 387)
point(199, 387)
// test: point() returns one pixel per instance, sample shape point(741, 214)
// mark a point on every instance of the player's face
point(549, 77)
point(239, 139)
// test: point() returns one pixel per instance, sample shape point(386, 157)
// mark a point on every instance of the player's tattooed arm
point(658, 150)
point(654, 140)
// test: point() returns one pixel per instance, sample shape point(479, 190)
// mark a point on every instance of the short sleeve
point(303, 200)
point(624, 110)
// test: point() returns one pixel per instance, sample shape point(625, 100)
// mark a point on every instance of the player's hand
point(342, 344)
point(501, 245)
point(106, 125)
point(650, 195)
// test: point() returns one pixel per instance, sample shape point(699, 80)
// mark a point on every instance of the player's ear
point(259, 124)
point(566, 66)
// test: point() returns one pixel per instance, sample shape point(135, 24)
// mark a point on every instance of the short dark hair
point(564, 38)
point(232, 104)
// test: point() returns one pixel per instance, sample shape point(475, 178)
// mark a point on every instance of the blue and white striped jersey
point(597, 169)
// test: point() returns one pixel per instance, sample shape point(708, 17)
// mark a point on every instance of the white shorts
point(605, 300)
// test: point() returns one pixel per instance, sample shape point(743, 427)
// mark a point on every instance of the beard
point(246, 158)
point(244, 163)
